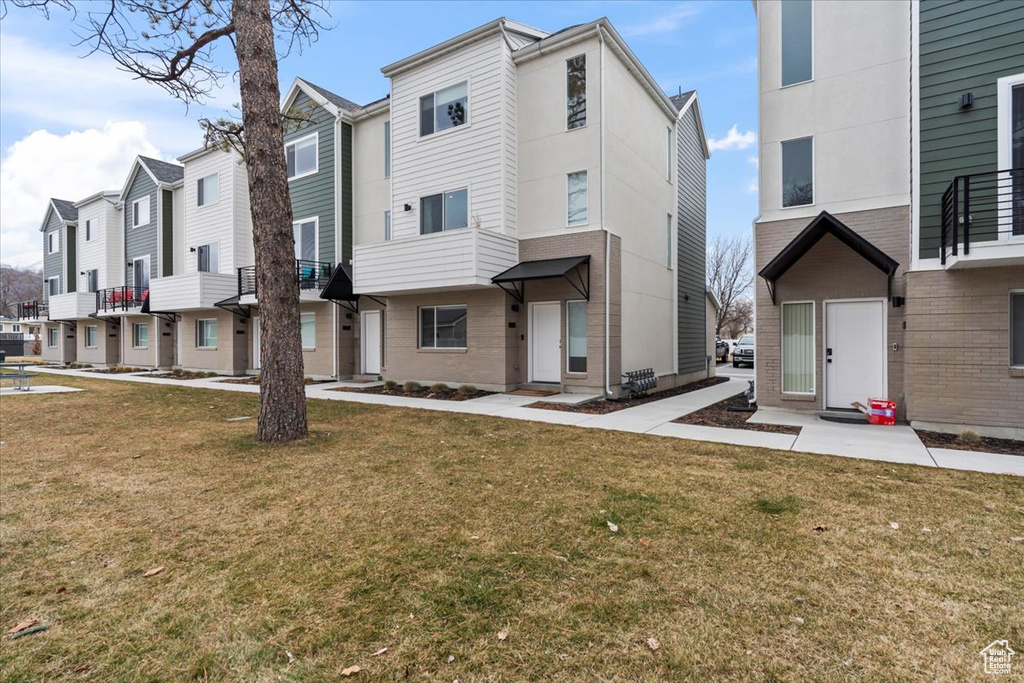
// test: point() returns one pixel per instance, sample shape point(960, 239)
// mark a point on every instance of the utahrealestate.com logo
point(997, 657)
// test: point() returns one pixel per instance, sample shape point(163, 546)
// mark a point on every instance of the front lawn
point(430, 533)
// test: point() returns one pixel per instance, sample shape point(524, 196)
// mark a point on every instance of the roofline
point(134, 171)
point(196, 153)
point(302, 85)
point(373, 109)
point(599, 27)
point(103, 194)
point(700, 123)
point(50, 206)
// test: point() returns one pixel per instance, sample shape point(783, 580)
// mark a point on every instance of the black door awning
point(825, 224)
point(571, 268)
point(339, 287)
point(232, 304)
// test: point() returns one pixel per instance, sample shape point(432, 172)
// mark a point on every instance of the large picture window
point(576, 92)
point(445, 211)
point(798, 172)
point(443, 327)
point(301, 156)
point(577, 198)
point(576, 315)
point(206, 333)
point(797, 45)
point(444, 109)
point(1017, 329)
point(798, 348)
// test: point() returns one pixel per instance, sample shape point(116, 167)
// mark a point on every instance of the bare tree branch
point(729, 274)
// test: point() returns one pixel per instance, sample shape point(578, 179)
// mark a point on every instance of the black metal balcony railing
point(120, 298)
point(981, 207)
point(33, 310)
point(309, 275)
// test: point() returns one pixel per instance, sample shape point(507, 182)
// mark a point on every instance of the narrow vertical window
point(576, 92)
point(387, 226)
point(90, 336)
point(670, 241)
point(140, 335)
point(387, 149)
point(1017, 158)
point(88, 230)
point(796, 41)
point(576, 331)
point(52, 242)
point(51, 337)
point(798, 348)
point(92, 278)
point(206, 257)
point(798, 172)
point(1017, 329)
point(308, 330)
point(577, 198)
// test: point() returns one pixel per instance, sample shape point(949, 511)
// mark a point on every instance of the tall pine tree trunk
point(282, 389)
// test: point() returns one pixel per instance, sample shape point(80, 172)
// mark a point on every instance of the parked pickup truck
point(744, 351)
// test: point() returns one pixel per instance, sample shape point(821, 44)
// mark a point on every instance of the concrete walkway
point(898, 444)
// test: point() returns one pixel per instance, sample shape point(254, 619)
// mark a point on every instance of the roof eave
point(104, 194)
point(448, 46)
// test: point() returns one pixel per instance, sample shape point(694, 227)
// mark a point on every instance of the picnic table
point(22, 379)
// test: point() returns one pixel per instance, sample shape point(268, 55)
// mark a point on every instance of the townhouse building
point(100, 266)
point(888, 244)
point(58, 310)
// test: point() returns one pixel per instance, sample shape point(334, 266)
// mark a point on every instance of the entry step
point(853, 417)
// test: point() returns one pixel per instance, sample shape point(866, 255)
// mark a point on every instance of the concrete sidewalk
point(898, 444)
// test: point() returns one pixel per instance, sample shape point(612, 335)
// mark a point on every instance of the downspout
point(607, 237)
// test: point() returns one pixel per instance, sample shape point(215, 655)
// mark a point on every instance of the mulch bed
point(118, 370)
point(724, 414)
point(255, 380)
point(983, 444)
point(600, 406)
point(184, 374)
point(424, 392)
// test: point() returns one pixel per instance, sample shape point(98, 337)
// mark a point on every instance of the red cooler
point(881, 412)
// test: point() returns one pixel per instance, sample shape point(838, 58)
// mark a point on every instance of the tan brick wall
point(66, 350)
point(320, 361)
point(108, 343)
point(957, 343)
point(141, 357)
point(230, 357)
point(830, 270)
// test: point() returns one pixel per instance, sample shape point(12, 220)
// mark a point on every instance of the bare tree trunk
point(282, 389)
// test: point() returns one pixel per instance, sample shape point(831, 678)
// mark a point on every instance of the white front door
point(370, 342)
point(854, 352)
point(545, 342)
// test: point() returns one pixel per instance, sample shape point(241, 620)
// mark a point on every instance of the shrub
point(439, 388)
point(969, 436)
point(390, 385)
point(467, 390)
point(412, 387)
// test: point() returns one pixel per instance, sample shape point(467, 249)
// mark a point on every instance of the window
point(387, 149)
point(306, 239)
point(444, 109)
point(206, 333)
point(1010, 154)
point(92, 280)
point(308, 328)
point(798, 172)
point(53, 285)
point(52, 242)
point(445, 211)
point(206, 256)
point(443, 327)
point(1017, 329)
point(668, 155)
point(207, 190)
point(577, 198)
point(576, 92)
point(301, 156)
point(798, 348)
point(15, 328)
point(88, 230)
point(576, 331)
point(140, 335)
point(90, 336)
point(51, 337)
point(141, 272)
point(670, 241)
point(387, 226)
point(796, 41)
point(140, 212)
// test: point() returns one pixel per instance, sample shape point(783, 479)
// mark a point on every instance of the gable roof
point(336, 100)
point(162, 171)
point(683, 102)
point(66, 210)
point(682, 99)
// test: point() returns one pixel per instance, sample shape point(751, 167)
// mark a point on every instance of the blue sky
point(70, 126)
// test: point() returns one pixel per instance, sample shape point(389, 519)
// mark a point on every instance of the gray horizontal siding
point(141, 241)
point(314, 195)
point(691, 222)
point(53, 264)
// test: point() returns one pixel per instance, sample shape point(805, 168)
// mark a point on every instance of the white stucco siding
point(547, 152)
point(214, 222)
point(371, 189)
point(857, 107)
point(92, 253)
point(466, 156)
point(114, 246)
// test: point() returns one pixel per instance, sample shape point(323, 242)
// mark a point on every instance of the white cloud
point(734, 139)
point(669, 22)
point(752, 187)
point(72, 167)
point(752, 161)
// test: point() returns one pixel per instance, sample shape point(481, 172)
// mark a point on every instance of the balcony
point(191, 291)
point(33, 310)
point(310, 276)
point(983, 220)
point(72, 306)
point(463, 258)
point(120, 300)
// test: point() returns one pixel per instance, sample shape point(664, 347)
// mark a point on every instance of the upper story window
point(206, 258)
point(797, 44)
point(88, 230)
point(1010, 153)
point(576, 92)
point(302, 157)
point(577, 198)
point(207, 190)
point(140, 212)
point(668, 155)
point(92, 280)
point(444, 109)
point(798, 172)
point(445, 211)
point(53, 285)
point(52, 242)
point(387, 226)
point(387, 149)
point(306, 247)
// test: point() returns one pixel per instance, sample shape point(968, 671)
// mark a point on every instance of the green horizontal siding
point(313, 195)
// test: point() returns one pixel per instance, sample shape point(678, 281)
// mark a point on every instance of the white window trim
point(52, 277)
point(198, 339)
point(206, 201)
point(301, 316)
point(791, 85)
point(388, 227)
point(1004, 160)
point(316, 232)
point(95, 331)
point(51, 331)
point(88, 230)
point(435, 347)
point(51, 242)
point(568, 224)
point(567, 370)
point(469, 110)
point(782, 355)
point(135, 337)
point(586, 91)
point(444, 211)
point(15, 328)
point(1013, 292)
point(146, 199)
point(316, 146)
point(814, 173)
point(215, 243)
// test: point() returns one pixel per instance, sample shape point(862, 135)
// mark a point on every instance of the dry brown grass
point(428, 533)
